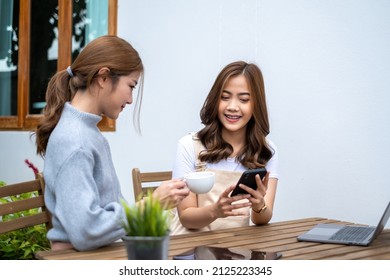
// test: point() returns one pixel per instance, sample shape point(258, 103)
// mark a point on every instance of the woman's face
point(235, 107)
point(116, 99)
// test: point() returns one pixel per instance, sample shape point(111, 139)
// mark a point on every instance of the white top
point(185, 160)
point(226, 172)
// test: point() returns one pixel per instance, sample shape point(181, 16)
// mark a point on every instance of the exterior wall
point(326, 66)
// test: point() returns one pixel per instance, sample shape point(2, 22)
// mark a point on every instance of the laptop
point(345, 234)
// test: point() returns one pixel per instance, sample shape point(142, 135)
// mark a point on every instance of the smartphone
point(248, 179)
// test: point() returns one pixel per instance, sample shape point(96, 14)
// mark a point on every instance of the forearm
point(195, 218)
point(265, 216)
point(261, 218)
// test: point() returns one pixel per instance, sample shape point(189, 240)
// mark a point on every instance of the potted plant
point(147, 229)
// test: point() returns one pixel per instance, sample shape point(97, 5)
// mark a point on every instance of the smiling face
point(116, 97)
point(235, 107)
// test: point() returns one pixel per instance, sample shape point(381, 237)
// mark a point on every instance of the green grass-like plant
point(146, 218)
point(22, 243)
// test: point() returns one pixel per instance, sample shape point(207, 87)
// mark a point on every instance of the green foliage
point(146, 218)
point(22, 243)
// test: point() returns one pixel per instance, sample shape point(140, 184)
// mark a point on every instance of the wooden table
point(278, 236)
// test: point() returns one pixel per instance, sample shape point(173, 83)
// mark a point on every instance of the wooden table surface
point(278, 236)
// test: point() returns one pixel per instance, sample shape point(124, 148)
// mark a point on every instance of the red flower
point(32, 166)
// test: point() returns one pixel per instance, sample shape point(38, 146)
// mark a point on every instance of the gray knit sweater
point(82, 189)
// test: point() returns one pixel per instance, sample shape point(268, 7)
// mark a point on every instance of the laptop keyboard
point(352, 234)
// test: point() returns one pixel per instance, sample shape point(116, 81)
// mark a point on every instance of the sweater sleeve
point(88, 221)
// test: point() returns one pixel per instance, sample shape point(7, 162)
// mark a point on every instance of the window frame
point(23, 120)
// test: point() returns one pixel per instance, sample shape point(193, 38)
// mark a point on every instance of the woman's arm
point(263, 196)
point(89, 220)
point(171, 192)
point(194, 217)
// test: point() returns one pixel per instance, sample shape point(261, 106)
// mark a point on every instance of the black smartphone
point(248, 179)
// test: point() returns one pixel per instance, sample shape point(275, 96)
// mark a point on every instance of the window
point(36, 41)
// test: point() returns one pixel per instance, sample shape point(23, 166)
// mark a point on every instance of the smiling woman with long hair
point(233, 140)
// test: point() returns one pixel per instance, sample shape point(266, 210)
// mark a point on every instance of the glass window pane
point(90, 20)
point(9, 25)
point(43, 50)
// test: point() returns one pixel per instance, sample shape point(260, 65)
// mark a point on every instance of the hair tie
point(69, 70)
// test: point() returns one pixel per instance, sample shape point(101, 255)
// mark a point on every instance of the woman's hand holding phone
point(252, 186)
point(257, 196)
point(253, 182)
point(226, 206)
point(248, 178)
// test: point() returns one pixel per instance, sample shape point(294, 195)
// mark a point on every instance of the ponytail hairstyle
point(255, 152)
point(106, 51)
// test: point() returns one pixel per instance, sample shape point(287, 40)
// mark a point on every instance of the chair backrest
point(144, 181)
point(42, 217)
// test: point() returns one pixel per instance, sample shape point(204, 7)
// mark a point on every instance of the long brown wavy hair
point(255, 152)
point(106, 51)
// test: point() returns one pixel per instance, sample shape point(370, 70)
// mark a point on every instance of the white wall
point(326, 66)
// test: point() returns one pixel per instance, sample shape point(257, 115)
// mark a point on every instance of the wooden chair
point(144, 181)
point(42, 217)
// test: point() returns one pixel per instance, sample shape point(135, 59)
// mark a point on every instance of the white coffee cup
point(200, 182)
